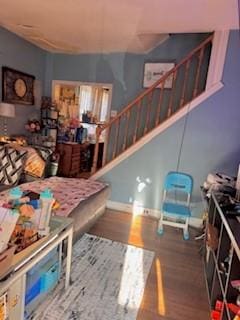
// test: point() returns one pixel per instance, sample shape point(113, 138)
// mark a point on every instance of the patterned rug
point(108, 282)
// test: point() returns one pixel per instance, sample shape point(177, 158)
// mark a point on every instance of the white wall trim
point(218, 55)
point(80, 83)
point(152, 134)
point(153, 213)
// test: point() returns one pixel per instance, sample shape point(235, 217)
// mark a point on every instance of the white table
point(60, 229)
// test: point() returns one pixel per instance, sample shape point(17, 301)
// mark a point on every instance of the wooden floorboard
point(175, 286)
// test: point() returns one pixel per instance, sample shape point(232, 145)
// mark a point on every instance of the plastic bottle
point(47, 200)
point(15, 193)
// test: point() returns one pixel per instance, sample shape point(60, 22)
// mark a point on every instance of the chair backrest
point(178, 181)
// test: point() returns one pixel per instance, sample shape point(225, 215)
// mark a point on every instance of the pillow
point(35, 163)
point(11, 165)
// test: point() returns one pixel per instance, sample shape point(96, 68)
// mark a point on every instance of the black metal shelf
point(222, 265)
point(50, 124)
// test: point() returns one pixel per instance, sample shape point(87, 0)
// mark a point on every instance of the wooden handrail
point(158, 82)
point(126, 112)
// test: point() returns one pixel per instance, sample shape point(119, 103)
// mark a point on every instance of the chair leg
point(160, 225)
point(185, 230)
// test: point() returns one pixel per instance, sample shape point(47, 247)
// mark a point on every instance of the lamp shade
point(7, 110)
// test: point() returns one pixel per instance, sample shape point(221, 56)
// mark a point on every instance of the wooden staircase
point(154, 106)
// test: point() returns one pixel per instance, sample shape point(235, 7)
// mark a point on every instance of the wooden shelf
point(15, 284)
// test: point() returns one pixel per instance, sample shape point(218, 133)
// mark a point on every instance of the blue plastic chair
point(176, 184)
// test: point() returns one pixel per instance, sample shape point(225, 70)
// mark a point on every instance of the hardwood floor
point(175, 287)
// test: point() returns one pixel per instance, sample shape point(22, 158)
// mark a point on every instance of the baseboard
point(154, 213)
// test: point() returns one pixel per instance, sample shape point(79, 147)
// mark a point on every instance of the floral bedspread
point(69, 192)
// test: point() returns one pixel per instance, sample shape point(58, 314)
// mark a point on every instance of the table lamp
point(7, 110)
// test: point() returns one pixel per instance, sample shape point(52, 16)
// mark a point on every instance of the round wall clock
point(20, 88)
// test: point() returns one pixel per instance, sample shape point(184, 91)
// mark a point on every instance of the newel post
point(96, 149)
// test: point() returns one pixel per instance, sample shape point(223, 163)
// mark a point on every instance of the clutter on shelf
point(3, 306)
point(24, 219)
point(49, 122)
point(20, 140)
point(225, 188)
point(220, 182)
point(33, 127)
point(222, 245)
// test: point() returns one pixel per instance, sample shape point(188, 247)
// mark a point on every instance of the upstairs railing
point(155, 105)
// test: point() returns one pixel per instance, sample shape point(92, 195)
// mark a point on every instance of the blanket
point(69, 192)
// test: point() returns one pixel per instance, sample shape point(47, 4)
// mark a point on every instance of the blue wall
point(211, 143)
point(19, 54)
point(123, 70)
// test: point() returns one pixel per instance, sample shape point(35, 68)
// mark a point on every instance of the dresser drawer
point(75, 166)
point(76, 149)
point(75, 157)
point(70, 159)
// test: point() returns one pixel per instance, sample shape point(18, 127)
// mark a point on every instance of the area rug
point(108, 280)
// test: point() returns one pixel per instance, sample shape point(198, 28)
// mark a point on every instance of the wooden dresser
point(69, 163)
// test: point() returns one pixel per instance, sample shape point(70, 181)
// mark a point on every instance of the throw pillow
point(11, 165)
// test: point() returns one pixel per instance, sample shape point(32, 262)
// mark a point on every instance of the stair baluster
point(131, 136)
point(170, 106)
point(96, 149)
point(157, 121)
point(149, 105)
point(116, 137)
point(126, 131)
point(139, 108)
point(200, 58)
point(183, 97)
point(105, 147)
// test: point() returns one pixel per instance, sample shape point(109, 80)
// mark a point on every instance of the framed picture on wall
point(153, 71)
point(17, 86)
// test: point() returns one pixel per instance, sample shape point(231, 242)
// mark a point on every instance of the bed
point(81, 199)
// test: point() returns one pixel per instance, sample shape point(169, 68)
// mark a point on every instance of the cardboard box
point(5, 260)
point(8, 222)
point(3, 307)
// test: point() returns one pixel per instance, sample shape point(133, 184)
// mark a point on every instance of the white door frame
point(81, 83)
point(218, 57)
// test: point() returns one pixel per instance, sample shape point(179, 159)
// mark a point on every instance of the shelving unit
point(36, 290)
point(223, 264)
point(49, 122)
point(15, 286)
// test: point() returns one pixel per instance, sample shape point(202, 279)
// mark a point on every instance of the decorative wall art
point(154, 71)
point(17, 86)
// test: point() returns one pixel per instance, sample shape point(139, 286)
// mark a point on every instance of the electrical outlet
point(146, 212)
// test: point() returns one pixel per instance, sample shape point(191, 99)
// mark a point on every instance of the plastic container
point(53, 169)
point(50, 278)
point(33, 291)
point(46, 198)
point(42, 276)
point(5, 260)
point(15, 193)
point(52, 255)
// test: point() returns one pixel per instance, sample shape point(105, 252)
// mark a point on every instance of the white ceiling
point(89, 26)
